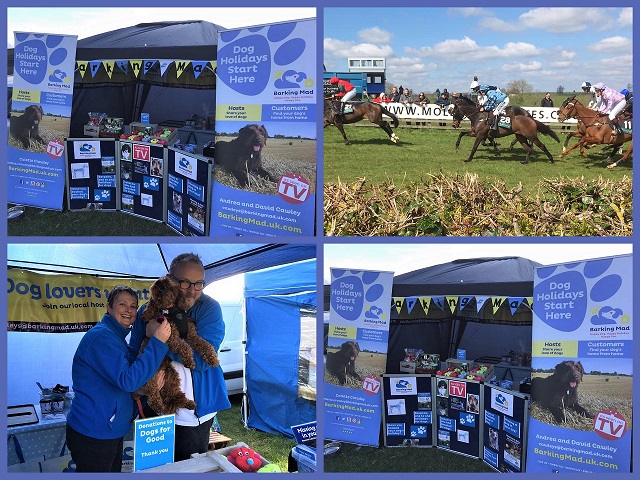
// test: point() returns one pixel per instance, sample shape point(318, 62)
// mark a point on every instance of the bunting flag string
point(452, 302)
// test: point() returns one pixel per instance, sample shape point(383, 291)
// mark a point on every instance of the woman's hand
point(160, 330)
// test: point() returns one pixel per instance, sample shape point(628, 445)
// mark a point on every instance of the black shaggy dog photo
point(26, 127)
point(343, 362)
point(243, 155)
point(559, 391)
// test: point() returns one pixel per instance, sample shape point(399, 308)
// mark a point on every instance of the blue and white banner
point(356, 354)
point(40, 118)
point(581, 392)
point(265, 155)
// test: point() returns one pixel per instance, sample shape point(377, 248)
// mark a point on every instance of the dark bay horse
point(372, 111)
point(595, 126)
point(524, 127)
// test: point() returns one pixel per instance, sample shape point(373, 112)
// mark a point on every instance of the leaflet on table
point(40, 118)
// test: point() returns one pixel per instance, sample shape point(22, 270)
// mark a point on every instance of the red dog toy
point(245, 459)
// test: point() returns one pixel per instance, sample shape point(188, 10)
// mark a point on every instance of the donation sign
point(153, 442)
point(582, 362)
point(356, 354)
point(265, 155)
point(40, 118)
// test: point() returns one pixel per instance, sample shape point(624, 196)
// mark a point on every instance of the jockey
point(628, 96)
point(611, 102)
point(346, 91)
point(497, 101)
point(588, 88)
point(475, 87)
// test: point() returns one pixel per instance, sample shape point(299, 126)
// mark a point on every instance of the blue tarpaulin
point(274, 300)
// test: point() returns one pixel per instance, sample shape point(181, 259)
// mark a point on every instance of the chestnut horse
point(361, 110)
point(596, 128)
point(524, 127)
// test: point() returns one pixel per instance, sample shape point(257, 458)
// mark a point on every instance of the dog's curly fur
point(243, 155)
point(164, 294)
point(26, 127)
point(559, 391)
point(343, 362)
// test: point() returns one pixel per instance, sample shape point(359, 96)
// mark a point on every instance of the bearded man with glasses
point(204, 384)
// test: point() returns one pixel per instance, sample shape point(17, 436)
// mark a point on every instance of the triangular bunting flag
point(514, 303)
point(198, 68)
point(424, 303)
point(123, 65)
point(496, 303)
point(108, 67)
point(452, 302)
point(83, 68)
point(410, 302)
point(439, 302)
point(147, 65)
point(164, 64)
point(94, 66)
point(464, 302)
point(529, 302)
point(397, 302)
point(480, 303)
point(136, 67)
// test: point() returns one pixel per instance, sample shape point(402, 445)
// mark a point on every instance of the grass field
point(426, 151)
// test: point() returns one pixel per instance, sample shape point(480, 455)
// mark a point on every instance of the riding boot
point(494, 123)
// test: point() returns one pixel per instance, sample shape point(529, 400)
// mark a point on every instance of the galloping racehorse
point(361, 110)
point(596, 129)
point(524, 127)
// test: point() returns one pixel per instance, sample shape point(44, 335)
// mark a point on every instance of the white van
point(231, 352)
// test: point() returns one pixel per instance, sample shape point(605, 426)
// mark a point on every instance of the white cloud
point(522, 67)
point(612, 45)
point(561, 64)
point(335, 46)
point(498, 25)
point(625, 19)
point(375, 35)
point(562, 20)
point(567, 55)
point(520, 49)
point(471, 12)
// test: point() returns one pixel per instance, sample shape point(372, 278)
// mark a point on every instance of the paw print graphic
point(565, 290)
point(245, 61)
point(39, 52)
point(352, 289)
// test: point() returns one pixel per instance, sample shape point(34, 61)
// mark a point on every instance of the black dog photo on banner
point(91, 174)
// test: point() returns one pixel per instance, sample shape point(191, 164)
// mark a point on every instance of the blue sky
point(430, 48)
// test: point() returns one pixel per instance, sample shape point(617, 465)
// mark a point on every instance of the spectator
point(394, 96)
point(422, 99)
point(382, 98)
point(406, 97)
point(546, 101)
point(445, 92)
point(443, 100)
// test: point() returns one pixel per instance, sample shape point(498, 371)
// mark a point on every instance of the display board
point(407, 410)
point(357, 346)
point(91, 171)
point(39, 118)
point(504, 434)
point(188, 204)
point(582, 361)
point(265, 154)
point(458, 406)
point(142, 179)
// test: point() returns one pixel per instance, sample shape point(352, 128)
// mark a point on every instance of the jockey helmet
point(599, 86)
point(624, 91)
point(333, 80)
point(484, 88)
point(586, 85)
point(474, 85)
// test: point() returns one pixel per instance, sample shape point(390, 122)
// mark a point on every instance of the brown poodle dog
point(26, 127)
point(166, 302)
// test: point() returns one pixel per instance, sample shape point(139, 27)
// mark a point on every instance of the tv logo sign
point(610, 425)
point(371, 385)
point(457, 389)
